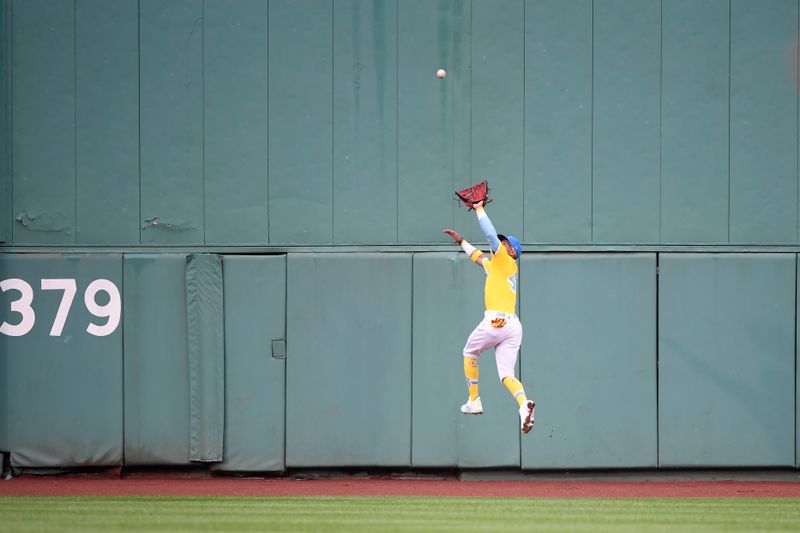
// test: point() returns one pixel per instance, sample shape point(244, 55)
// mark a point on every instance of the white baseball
point(441, 73)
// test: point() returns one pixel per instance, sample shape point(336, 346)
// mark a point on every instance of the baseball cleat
point(472, 407)
point(526, 416)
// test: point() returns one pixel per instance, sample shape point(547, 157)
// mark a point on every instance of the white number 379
point(23, 306)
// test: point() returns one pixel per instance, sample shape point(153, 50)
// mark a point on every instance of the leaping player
point(500, 328)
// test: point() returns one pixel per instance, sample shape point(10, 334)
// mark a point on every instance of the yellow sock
point(515, 387)
point(471, 372)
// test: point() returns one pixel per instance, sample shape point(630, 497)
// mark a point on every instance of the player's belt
point(498, 319)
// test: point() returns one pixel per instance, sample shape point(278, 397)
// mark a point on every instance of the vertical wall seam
point(139, 84)
point(797, 129)
point(471, 70)
point(658, 359)
point(796, 288)
point(75, 114)
point(730, 83)
point(519, 274)
point(411, 395)
point(333, 130)
point(10, 141)
point(397, 122)
point(591, 139)
point(521, 354)
point(122, 365)
point(203, 109)
point(524, 115)
point(267, 127)
point(453, 93)
point(286, 357)
point(660, 120)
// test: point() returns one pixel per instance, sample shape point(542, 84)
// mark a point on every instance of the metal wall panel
point(171, 118)
point(348, 401)
point(235, 115)
point(726, 360)
point(255, 388)
point(365, 121)
point(558, 121)
point(300, 121)
point(589, 359)
point(694, 114)
point(43, 114)
point(498, 99)
point(448, 304)
point(763, 121)
point(460, 74)
point(627, 49)
point(156, 371)
point(426, 110)
point(63, 377)
point(107, 121)
point(5, 121)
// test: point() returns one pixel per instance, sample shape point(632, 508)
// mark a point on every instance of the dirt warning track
point(160, 485)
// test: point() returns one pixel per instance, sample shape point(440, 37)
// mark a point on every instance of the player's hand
point(454, 234)
point(477, 205)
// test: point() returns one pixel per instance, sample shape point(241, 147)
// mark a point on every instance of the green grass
point(331, 514)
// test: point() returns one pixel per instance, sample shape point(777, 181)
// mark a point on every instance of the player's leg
point(506, 357)
point(477, 342)
point(472, 373)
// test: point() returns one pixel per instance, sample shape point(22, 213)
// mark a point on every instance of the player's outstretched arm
point(487, 227)
point(475, 255)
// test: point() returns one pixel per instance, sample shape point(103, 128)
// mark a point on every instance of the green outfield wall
point(354, 359)
point(221, 231)
point(285, 122)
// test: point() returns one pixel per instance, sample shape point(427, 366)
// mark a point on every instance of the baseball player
point(500, 328)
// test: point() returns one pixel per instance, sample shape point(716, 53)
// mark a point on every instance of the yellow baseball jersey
point(500, 291)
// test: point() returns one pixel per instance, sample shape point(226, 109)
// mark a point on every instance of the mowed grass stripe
point(172, 514)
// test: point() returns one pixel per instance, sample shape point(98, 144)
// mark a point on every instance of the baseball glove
point(472, 195)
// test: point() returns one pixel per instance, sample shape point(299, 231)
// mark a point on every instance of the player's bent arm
point(488, 228)
point(475, 255)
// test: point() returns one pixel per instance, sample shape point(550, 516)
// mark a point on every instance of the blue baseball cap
point(513, 241)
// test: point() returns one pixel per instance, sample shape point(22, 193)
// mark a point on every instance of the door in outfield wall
point(182, 389)
point(255, 350)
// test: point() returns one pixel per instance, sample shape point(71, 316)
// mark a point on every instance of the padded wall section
point(62, 362)
point(206, 345)
point(625, 127)
point(763, 121)
point(589, 359)
point(448, 304)
point(694, 117)
point(235, 121)
point(43, 142)
point(348, 399)
point(726, 360)
point(558, 121)
point(107, 121)
point(171, 121)
point(365, 121)
point(255, 316)
point(300, 121)
point(156, 360)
